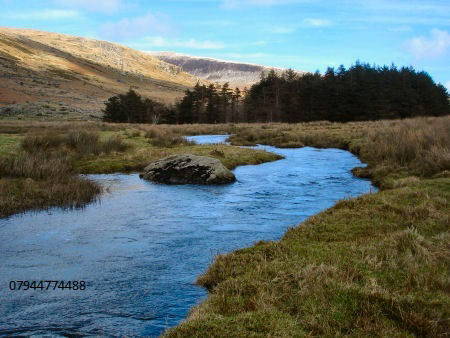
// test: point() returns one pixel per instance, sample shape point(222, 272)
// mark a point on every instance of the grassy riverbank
point(374, 265)
point(40, 162)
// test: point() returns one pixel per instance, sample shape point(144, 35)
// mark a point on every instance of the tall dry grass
point(421, 145)
point(37, 166)
point(81, 142)
point(23, 126)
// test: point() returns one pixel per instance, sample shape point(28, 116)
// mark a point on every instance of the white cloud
point(129, 28)
point(317, 22)
point(447, 84)
point(104, 6)
point(160, 42)
point(434, 46)
point(46, 14)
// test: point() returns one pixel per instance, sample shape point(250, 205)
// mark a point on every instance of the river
point(141, 247)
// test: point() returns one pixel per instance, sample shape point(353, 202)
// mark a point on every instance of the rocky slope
point(237, 74)
point(50, 74)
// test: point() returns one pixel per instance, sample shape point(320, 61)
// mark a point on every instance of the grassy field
point(377, 265)
point(40, 162)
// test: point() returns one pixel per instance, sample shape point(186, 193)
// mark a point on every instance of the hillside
point(237, 74)
point(50, 74)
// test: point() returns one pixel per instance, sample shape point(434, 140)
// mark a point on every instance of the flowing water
point(140, 249)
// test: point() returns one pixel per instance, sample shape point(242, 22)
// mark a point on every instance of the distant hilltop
point(238, 74)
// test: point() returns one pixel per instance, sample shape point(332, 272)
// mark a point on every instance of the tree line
point(202, 104)
point(361, 92)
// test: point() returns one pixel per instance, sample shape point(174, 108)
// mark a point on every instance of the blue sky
point(302, 34)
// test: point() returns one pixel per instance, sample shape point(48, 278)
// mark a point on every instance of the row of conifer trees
point(361, 92)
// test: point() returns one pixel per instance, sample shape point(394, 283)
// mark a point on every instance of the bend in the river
point(141, 248)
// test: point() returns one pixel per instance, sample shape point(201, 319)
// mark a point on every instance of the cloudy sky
point(302, 34)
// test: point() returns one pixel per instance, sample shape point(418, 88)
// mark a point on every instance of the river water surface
point(141, 247)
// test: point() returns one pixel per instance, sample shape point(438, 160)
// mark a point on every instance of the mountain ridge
point(237, 74)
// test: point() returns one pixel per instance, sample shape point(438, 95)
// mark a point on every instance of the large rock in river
point(188, 169)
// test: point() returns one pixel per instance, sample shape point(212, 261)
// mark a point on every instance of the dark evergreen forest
point(361, 92)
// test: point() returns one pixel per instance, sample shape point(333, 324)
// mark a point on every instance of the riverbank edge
point(407, 215)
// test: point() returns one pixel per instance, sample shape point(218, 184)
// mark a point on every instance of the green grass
point(375, 265)
point(142, 155)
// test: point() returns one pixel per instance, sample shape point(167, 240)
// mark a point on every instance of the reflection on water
point(141, 248)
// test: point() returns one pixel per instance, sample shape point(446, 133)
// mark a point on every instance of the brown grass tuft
point(421, 145)
point(38, 166)
point(20, 195)
point(81, 142)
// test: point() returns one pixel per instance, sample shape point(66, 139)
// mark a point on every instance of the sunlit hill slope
point(55, 75)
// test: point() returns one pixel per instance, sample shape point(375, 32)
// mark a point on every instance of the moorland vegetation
point(374, 265)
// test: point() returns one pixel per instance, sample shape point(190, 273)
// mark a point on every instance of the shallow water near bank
point(142, 246)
